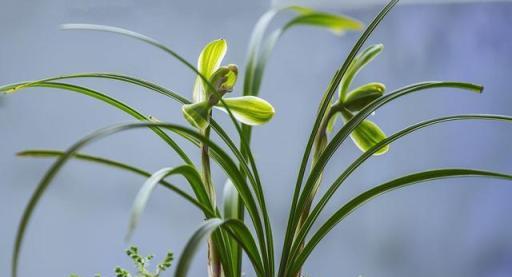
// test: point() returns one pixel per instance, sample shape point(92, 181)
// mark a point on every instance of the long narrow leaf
point(365, 156)
point(102, 97)
point(238, 231)
point(119, 165)
point(139, 204)
point(358, 201)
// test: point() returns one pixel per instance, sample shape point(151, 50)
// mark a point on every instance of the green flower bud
point(360, 97)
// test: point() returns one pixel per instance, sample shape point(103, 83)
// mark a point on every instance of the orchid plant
point(240, 225)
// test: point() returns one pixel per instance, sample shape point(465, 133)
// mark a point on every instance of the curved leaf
point(334, 187)
point(347, 129)
point(102, 97)
point(115, 164)
point(333, 22)
point(139, 204)
point(249, 110)
point(363, 198)
point(238, 230)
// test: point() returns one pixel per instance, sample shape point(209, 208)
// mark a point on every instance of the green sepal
point(366, 135)
point(357, 64)
point(197, 114)
point(208, 62)
point(250, 110)
point(360, 97)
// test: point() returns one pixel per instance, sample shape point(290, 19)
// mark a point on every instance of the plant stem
point(214, 265)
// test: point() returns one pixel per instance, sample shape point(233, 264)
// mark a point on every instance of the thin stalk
point(214, 265)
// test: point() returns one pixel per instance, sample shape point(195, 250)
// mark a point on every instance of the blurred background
point(443, 228)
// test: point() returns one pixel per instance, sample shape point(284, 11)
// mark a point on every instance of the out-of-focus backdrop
point(457, 228)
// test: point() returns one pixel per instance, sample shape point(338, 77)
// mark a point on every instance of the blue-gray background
point(444, 228)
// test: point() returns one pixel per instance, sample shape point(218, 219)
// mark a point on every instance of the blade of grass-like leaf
point(115, 164)
point(349, 127)
point(224, 161)
point(358, 201)
point(231, 210)
point(238, 231)
point(104, 98)
point(326, 100)
point(139, 204)
point(301, 236)
point(107, 75)
point(128, 33)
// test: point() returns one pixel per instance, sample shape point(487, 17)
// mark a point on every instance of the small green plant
point(141, 263)
point(241, 224)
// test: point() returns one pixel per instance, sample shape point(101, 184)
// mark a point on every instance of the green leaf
point(357, 64)
point(237, 229)
point(368, 134)
point(102, 97)
point(344, 132)
point(362, 96)
point(250, 110)
point(365, 197)
point(365, 156)
point(230, 199)
point(208, 62)
point(139, 204)
point(333, 22)
point(197, 114)
point(119, 165)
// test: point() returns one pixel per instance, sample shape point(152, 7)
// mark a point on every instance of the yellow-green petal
point(250, 110)
point(333, 22)
point(196, 114)
point(208, 62)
